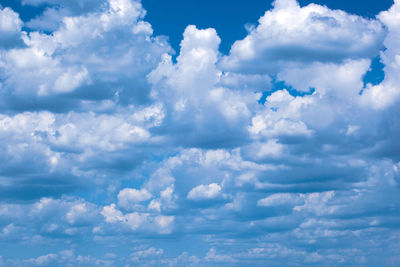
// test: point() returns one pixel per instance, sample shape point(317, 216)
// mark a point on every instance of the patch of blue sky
point(376, 73)
point(277, 85)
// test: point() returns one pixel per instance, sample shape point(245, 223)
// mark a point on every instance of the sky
point(199, 133)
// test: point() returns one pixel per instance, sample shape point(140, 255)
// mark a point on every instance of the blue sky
point(195, 133)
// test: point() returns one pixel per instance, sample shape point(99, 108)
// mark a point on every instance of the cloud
point(115, 152)
point(130, 196)
point(387, 93)
point(64, 257)
point(214, 257)
point(278, 199)
point(42, 145)
point(103, 54)
point(194, 99)
point(202, 192)
point(56, 10)
point(139, 222)
point(148, 253)
point(290, 33)
point(10, 28)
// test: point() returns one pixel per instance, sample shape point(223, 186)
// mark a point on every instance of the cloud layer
point(115, 151)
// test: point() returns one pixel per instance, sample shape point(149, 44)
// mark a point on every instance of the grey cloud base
point(114, 154)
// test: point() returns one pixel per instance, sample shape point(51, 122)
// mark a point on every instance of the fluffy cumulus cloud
point(195, 97)
point(117, 152)
point(128, 196)
point(204, 192)
point(385, 94)
point(290, 33)
point(10, 28)
point(104, 54)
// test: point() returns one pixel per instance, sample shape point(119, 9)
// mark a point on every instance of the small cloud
point(205, 192)
point(128, 197)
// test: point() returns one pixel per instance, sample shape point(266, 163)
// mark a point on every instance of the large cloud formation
point(115, 153)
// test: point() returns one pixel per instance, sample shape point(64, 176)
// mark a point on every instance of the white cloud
point(62, 258)
point(279, 199)
point(316, 163)
point(195, 101)
point(203, 192)
point(150, 252)
point(44, 260)
point(10, 28)
point(269, 149)
point(387, 93)
point(82, 213)
point(282, 116)
point(46, 75)
point(166, 201)
point(290, 33)
point(47, 143)
point(111, 214)
point(213, 256)
point(164, 224)
point(9, 21)
point(137, 221)
point(347, 76)
point(128, 197)
point(98, 50)
point(317, 203)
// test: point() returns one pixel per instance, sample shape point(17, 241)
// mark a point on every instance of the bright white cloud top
point(289, 33)
point(117, 152)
